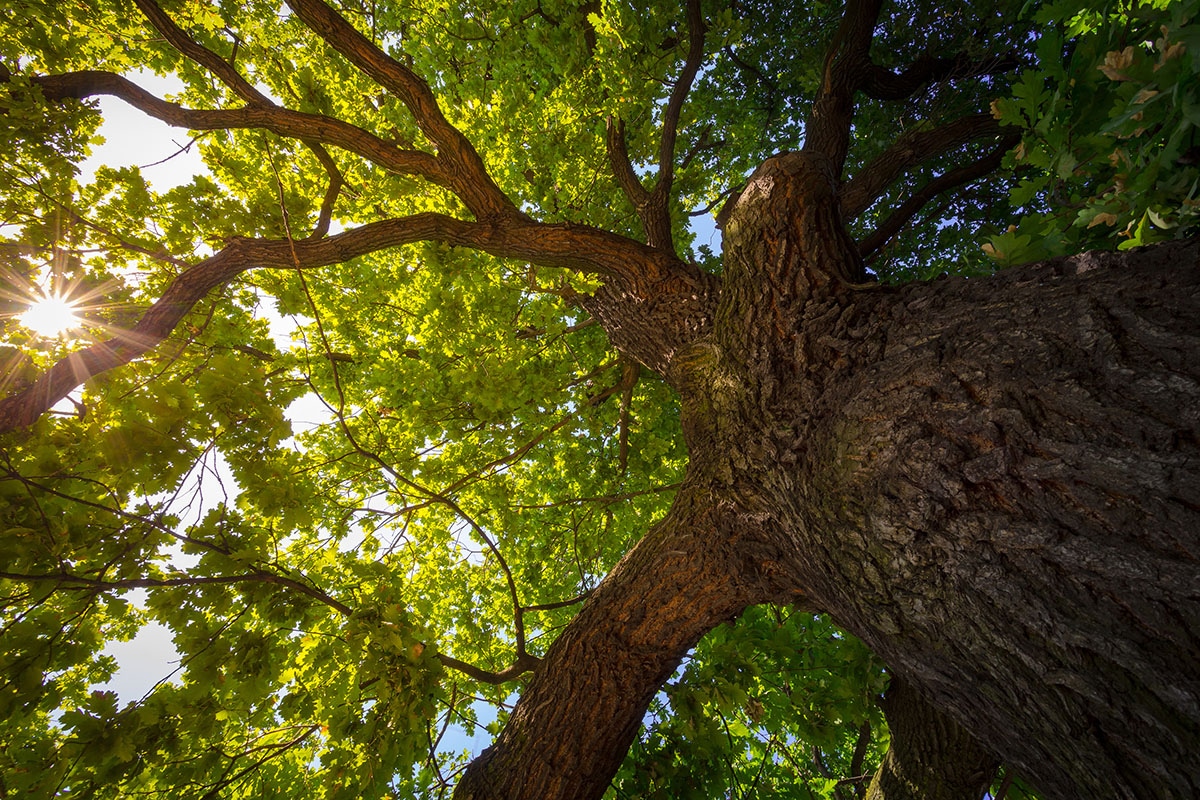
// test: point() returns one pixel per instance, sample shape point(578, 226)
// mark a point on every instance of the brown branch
point(572, 246)
point(856, 760)
point(881, 83)
point(336, 182)
point(206, 58)
point(910, 150)
point(896, 221)
point(281, 121)
point(561, 603)
point(622, 167)
point(653, 207)
point(847, 61)
point(467, 175)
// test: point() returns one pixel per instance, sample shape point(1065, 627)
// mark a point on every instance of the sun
point(50, 315)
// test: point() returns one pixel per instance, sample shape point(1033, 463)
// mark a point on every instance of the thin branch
point(881, 83)
point(69, 582)
point(630, 372)
point(606, 499)
point(273, 750)
point(524, 663)
point(520, 452)
point(284, 122)
point(896, 221)
point(819, 760)
point(910, 150)
point(1005, 784)
point(561, 603)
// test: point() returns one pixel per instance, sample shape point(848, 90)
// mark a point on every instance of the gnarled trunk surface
point(993, 482)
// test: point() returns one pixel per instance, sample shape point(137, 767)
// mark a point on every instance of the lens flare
point(51, 315)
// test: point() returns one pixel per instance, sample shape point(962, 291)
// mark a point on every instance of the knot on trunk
point(787, 224)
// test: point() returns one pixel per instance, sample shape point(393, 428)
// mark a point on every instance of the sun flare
point(51, 315)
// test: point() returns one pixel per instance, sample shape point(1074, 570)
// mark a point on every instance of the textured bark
point(698, 568)
point(993, 482)
point(930, 757)
point(1003, 502)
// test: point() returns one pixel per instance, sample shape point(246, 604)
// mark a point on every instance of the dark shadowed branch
point(847, 62)
point(910, 150)
point(946, 182)
point(881, 83)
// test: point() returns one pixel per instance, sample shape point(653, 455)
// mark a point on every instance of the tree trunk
point(1004, 505)
point(993, 482)
point(930, 757)
point(575, 722)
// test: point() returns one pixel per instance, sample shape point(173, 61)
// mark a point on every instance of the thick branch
point(910, 150)
point(931, 757)
point(468, 177)
point(900, 217)
point(571, 246)
point(622, 167)
point(574, 723)
point(846, 64)
point(651, 206)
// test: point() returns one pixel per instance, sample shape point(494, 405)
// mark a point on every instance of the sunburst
point(51, 315)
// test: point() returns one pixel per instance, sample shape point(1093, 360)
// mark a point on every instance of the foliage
point(337, 486)
point(1110, 116)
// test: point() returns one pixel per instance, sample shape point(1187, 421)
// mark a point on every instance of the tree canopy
point(366, 412)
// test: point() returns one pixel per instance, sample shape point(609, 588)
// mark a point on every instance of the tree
point(563, 445)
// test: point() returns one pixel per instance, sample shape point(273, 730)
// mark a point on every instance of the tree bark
point(1004, 504)
point(576, 720)
point(930, 757)
point(993, 482)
